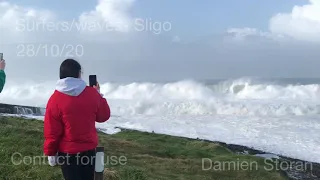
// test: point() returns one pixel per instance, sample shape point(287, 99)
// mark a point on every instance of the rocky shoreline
point(21, 110)
point(293, 169)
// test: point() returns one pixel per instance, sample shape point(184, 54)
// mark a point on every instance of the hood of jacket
point(71, 86)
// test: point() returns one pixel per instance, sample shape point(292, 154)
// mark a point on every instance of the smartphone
point(92, 80)
point(1, 56)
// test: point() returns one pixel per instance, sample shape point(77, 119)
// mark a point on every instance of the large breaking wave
point(236, 97)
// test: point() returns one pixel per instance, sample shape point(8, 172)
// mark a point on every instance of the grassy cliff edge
point(131, 155)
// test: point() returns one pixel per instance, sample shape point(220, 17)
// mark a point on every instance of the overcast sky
point(131, 40)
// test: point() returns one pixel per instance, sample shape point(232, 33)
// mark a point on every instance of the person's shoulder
point(56, 96)
point(55, 93)
point(53, 99)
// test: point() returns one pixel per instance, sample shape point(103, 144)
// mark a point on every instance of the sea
point(275, 115)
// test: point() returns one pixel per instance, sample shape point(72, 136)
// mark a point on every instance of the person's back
point(80, 106)
point(69, 124)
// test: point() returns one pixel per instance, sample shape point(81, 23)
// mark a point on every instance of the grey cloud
point(145, 58)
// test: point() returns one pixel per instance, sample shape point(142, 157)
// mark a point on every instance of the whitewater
point(274, 116)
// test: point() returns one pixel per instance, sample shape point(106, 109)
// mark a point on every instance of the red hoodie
point(71, 113)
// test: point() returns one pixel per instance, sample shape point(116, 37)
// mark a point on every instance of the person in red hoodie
point(70, 136)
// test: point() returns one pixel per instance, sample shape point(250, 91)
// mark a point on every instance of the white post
point(99, 164)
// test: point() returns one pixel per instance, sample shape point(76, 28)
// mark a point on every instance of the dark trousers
point(77, 166)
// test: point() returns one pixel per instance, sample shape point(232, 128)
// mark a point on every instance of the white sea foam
point(188, 97)
point(280, 119)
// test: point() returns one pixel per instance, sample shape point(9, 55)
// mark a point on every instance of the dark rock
point(21, 110)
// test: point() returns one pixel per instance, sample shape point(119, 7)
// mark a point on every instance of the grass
point(129, 155)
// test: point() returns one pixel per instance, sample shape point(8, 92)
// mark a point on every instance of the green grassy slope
point(129, 155)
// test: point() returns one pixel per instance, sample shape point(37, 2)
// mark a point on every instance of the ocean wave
point(236, 97)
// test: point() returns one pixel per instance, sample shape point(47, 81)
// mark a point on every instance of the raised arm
point(103, 110)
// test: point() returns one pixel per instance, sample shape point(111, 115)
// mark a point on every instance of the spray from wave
point(236, 97)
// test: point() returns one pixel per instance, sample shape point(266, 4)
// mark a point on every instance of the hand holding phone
point(97, 87)
point(92, 80)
